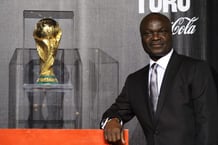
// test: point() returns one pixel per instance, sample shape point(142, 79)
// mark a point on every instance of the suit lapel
point(147, 113)
point(169, 76)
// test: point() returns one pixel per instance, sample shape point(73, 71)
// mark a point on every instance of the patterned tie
point(153, 88)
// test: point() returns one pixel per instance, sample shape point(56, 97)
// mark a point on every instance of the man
point(175, 101)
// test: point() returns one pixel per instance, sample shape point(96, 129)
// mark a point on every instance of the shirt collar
point(163, 61)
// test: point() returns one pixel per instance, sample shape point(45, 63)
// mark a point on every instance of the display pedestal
point(54, 137)
point(46, 108)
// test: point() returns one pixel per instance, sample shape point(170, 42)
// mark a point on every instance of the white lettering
point(184, 7)
point(141, 6)
point(165, 5)
point(156, 8)
point(184, 25)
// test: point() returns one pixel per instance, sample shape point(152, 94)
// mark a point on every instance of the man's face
point(156, 36)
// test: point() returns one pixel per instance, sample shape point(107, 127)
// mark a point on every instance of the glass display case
point(33, 105)
point(103, 84)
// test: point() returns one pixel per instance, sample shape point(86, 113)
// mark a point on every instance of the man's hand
point(113, 131)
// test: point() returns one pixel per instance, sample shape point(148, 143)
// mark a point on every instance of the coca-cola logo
point(184, 25)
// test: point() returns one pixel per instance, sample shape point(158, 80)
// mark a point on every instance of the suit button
point(156, 132)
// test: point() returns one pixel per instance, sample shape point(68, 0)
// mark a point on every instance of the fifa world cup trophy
point(47, 35)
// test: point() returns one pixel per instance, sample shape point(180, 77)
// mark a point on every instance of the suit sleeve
point(204, 95)
point(121, 108)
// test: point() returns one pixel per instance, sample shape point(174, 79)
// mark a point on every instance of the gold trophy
point(47, 35)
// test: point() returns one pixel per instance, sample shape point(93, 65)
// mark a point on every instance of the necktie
point(153, 87)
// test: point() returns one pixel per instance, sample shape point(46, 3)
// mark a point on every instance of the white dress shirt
point(162, 65)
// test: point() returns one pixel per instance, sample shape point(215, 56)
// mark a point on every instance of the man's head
point(156, 35)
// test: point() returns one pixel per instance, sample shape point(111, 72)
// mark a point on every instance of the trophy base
point(47, 80)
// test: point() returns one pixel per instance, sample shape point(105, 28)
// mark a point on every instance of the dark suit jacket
point(187, 108)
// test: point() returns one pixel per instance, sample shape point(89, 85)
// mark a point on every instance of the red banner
point(53, 137)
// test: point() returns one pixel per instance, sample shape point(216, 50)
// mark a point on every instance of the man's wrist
point(108, 119)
